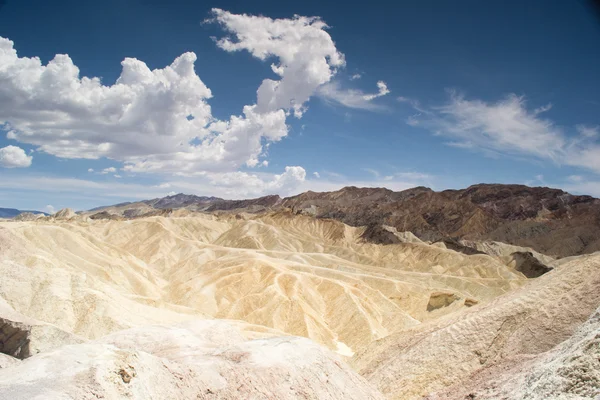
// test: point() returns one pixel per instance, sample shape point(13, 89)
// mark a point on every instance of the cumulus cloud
point(90, 170)
point(143, 113)
point(50, 209)
point(355, 77)
point(510, 127)
point(240, 184)
point(352, 98)
point(316, 174)
point(14, 157)
point(160, 120)
point(306, 56)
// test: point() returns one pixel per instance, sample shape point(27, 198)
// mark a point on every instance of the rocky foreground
point(279, 304)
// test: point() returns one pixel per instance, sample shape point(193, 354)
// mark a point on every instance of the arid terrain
point(491, 292)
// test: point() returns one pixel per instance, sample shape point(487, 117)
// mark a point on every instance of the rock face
point(548, 220)
point(530, 266)
point(199, 360)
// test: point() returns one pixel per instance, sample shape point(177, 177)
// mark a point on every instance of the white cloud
point(355, 77)
point(383, 90)
point(143, 113)
point(144, 119)
point(306, 55)
point(230, 185)
point(90, 169)
point(352, 98)
point(316, 174)
point(14, 157)
point(50, 209)
point(108, 170)
point(509, 127)
point(117, 176)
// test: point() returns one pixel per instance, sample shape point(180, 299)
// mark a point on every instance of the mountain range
point(13, 212)
point(547, 220)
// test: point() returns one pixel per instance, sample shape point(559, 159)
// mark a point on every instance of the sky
point(112, 101)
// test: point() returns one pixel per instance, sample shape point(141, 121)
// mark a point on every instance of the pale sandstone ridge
point(199, 360)
point(65, 213)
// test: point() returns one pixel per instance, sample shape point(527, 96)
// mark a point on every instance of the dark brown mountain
point(251, 205)
point(548, 220)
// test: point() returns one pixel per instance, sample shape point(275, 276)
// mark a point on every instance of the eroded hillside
point(433, 309)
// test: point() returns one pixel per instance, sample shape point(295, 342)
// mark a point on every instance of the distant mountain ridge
point(548, 220)
point(13, 212)
point(180, 200)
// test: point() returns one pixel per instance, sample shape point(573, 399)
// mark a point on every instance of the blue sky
point(441, 94)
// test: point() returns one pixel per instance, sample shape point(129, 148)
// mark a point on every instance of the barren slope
point(529, 321)
point(296, 274)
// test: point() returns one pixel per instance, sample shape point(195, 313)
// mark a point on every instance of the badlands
point(312, 297)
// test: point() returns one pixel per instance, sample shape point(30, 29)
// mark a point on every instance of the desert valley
point(491, 292)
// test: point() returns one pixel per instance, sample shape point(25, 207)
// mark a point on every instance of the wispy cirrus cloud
point(509, 126)
point(333, 92)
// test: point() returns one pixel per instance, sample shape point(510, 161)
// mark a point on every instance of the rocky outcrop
point(529, 265)
point(64, 214)
point(21, 336)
